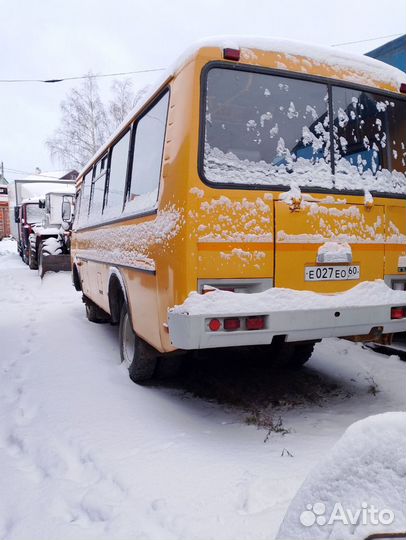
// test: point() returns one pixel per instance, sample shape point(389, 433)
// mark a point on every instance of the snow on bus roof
point(367, 70)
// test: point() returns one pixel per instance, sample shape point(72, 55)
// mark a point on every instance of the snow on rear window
point(368, 144)
point(271, 130)
point(263, 128)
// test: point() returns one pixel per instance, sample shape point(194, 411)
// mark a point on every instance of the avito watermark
point(367, 514)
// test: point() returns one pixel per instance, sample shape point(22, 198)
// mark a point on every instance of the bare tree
point(124, 100)
point(83, 128)
point(86, 122)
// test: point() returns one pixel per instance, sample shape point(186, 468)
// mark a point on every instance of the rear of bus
point(295, 214)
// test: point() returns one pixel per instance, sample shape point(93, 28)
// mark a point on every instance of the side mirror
point(66, 212)
point(41, 203)
point(17, 214)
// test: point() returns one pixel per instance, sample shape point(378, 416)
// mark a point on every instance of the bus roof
point(290, 55)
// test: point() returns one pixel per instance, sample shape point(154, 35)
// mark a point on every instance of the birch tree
point(83, 127)
point(86, 122)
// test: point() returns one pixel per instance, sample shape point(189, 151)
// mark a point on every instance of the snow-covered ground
point(86, 454)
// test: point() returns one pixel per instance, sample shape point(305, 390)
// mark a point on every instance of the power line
point(43, 175)
point(363, 40)
point(119, 74)
point(57, 80)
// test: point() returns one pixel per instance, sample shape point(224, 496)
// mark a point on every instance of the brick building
point(4, 213)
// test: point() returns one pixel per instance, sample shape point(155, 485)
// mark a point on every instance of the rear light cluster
point(398, 312)
point(231, 54)
point(229, 324)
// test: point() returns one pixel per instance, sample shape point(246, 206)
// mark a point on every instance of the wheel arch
point(117, 295)
point(76, 278)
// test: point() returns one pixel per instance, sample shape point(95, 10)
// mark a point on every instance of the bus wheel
point(168, 367)
point(300, 354)
point(139, 357)
point(94, 313)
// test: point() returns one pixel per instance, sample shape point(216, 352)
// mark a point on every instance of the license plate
point(332, 273)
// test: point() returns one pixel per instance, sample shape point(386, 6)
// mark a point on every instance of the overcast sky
point(53, 38)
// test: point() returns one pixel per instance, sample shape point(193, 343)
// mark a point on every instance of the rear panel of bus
point(263, 199)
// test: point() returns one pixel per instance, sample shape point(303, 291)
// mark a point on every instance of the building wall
point(393, 53)
point(4, 213)
point(4, 220)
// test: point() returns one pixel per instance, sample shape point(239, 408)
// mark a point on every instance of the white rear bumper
point(191, 331)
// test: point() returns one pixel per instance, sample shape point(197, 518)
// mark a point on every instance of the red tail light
point(398, 312)
point(255, 323)
point(232, 323)
point(403, 88)
point(231, 54)
point(214, 325)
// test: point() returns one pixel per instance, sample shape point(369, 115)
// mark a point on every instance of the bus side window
point(84, 199)
point(117, 177)
point(78, 199)
point(147, 157)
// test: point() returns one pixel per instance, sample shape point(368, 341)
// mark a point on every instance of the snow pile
point(227, 167)
point(87, 455)
point(366, 469)
point(334, 252)
point(348, 176)
point(8, 246)
point(368, 293)
point(294, 195)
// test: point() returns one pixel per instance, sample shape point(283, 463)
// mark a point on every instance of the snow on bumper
point(299, 315)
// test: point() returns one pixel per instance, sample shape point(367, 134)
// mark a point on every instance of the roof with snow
point(355, 68)
point(52, 175)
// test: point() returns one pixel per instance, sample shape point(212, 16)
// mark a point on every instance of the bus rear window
point(266, 129)
point(260, 128)
point(369, 139)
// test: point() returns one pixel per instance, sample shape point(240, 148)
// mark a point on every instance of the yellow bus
point(255, 198)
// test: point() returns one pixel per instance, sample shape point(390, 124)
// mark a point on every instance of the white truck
point(25, 198)
point(49, 241)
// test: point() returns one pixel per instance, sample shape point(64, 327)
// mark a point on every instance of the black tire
point(25, 256)
point(139, 357)
point(32, 255)
point(95, 314)
point(168, 367)
point(300, 355)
